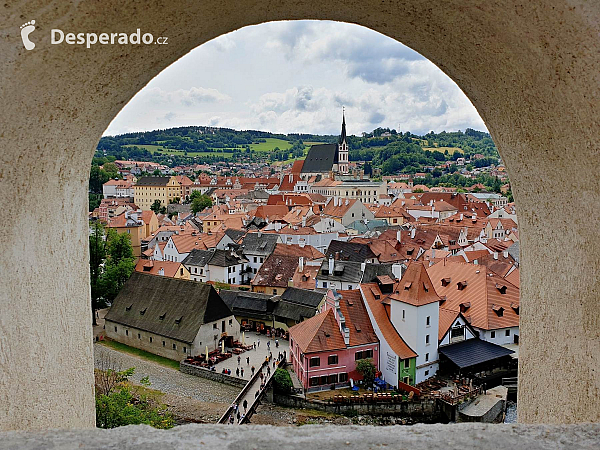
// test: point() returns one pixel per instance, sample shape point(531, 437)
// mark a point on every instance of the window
point(230, 322)
point(315, 362)
point(403, 314)
point(115, 329)
point(349, 287)
point(164, 343)
point(314, 381)
point(428, 321)
point(492, 334)
point(139, 336)
point(150, 339)
point(332, 359)
point(126, 332)
point(407, 363)
point(174, 347)
point(214, 326)
point(427, 339)
point(291, 343)
point(426, 372)
point(184, 349)
point(368, 353)
point(324, 379)
point(302, 358)
point(274, 291)
point(333, 379)
point(325, 284)
point(507, 333)
point(406, 380)
point(358, 355)
point(426, 356)
point(343, 377)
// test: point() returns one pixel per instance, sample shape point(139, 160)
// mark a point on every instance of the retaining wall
point(210, 375)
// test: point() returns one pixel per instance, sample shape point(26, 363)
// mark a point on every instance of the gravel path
point(168, 380)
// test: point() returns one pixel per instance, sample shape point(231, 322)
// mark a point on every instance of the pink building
point(325, 348)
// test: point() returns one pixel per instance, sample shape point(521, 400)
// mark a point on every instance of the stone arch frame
point(530, 68)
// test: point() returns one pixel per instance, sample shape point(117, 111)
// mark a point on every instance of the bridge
point(252, 393)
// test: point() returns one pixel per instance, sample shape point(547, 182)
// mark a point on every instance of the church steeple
point(343, 135)
point(342, 148)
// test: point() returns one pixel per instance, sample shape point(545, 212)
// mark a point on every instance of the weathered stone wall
point(531, 69)
point(426, 410)
point(210, 375)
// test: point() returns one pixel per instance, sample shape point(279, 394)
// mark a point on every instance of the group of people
point(236, 414)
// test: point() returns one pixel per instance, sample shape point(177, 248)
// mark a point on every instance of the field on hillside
point(451, 150)
point(157, 149)
point(270, 145)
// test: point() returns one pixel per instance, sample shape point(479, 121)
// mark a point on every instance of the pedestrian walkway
point(262, 359)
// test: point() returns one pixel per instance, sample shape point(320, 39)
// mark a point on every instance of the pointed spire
point(343, 135)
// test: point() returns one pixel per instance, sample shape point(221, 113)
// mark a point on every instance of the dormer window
point(128, 308)
point(499, 310)
point(446, 281)
point(464, 306)
point(425, 287)
point(515, 307)
point(461, 285)
point(143, 311)
point(407, 286)
point(178, 321)
point(501, 288)
point(162, 316)
point(410, 251)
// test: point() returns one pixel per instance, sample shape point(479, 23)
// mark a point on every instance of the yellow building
point(149, 189)
point(137, 224)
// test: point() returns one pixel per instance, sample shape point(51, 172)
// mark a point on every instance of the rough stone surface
point(324, 437)
point(531, 68)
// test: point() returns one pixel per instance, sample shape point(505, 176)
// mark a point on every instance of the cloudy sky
point(295, 76)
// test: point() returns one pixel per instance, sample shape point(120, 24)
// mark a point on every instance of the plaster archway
point(530, 68)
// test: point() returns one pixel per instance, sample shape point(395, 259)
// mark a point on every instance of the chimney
point(363, 266)
point(331, 265)
point(347, 202)
point(259, 234)
point(432, 253)
point(399, 236)
point(505, 253)
point(476, 262)
point(397, 271)
point(301, 264)
point(412, 233)
point(337, 255)
point(304, 221)
point(161, 271)
point(461, 216)
point(495, 255)
point(301, 243)
point(291, 282)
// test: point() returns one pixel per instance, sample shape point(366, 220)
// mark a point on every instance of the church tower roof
point(343, 135)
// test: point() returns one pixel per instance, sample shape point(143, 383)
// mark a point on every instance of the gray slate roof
point(261, 244)
point(349, 251)
point(343, 271)
point(302, 296)
point(212, 256)
point(234, 234)
point(152, 181)
point(155, 304)
point(514, 251)
point(294, 311)
point(320, 158)
point(372, 271)
point(251, 304)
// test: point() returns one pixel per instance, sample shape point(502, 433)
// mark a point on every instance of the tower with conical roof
point(343, 148)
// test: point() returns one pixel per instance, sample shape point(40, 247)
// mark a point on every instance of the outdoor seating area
point(381, 397)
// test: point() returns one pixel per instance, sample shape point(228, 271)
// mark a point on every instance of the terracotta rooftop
point(415, 287)
point(319, 333)
point(357, 318)
point(375, 301)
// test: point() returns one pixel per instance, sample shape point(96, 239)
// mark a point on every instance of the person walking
point(248, 360)
point(268, 371)
point(268, 345)
point(254, 345)
point(242, 371)
point(253, 369)
point(258, 343)
point(276, 343)
point(273, 364)
point(245, 405)
point(239, 359)
point(237, 372)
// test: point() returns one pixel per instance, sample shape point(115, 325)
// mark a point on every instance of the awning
point(472, 352)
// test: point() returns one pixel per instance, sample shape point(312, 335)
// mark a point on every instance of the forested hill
point(392, 151)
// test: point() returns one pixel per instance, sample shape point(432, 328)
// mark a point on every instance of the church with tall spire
point(326, 159)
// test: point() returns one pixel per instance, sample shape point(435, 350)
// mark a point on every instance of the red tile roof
point(357, 318)
point(415, 287)
point(319, 333)
point(380, 315)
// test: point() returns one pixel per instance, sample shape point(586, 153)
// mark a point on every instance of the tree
point(97, 256)
point(156, 206)
point(201, 203)
point(97, 178)
point(367, 369)
point(282, 382)
point(119, 264)
point(118, 403)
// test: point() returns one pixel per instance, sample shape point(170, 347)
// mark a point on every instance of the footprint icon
point(26, 30)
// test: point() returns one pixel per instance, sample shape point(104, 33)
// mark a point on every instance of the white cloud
point(295, 77)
